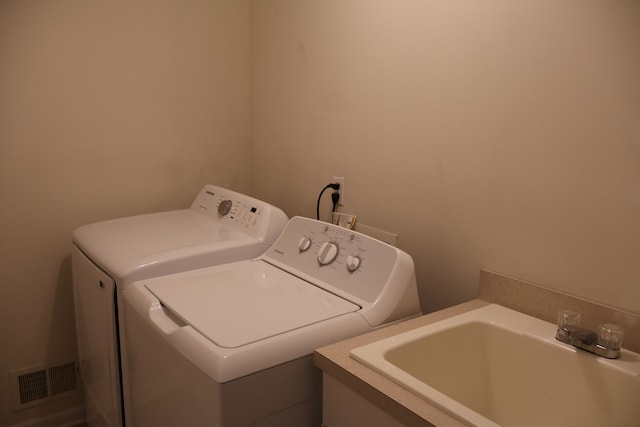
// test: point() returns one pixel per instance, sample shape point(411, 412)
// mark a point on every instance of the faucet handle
point(568, 319)
point(610, 336)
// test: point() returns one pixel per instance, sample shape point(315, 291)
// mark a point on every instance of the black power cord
point(334, 197)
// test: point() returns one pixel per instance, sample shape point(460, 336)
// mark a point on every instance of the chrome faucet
point(606, 342)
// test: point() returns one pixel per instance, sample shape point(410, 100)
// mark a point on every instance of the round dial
point(327, 253)
point(225, 207)
point(353, 262)
point(304, 244)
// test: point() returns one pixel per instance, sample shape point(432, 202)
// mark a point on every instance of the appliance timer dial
point(327, 253)
point(224, 207)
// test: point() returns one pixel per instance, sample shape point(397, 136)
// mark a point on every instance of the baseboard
point(69, 418)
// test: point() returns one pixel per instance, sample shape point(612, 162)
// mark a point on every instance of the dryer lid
point(128, 245)
point(240, 303)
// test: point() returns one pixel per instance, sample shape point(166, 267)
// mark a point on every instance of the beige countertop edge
point(334, 360)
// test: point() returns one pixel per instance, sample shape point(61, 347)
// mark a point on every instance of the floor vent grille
point(33, 386)
point(41, 384)
point(63, 378)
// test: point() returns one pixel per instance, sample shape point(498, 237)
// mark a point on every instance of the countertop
point(522, 296)
point(334, 360)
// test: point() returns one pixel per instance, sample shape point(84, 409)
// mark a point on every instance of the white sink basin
point(495, 366)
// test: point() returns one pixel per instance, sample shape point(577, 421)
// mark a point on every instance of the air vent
point(41, 384)
point(33, 386)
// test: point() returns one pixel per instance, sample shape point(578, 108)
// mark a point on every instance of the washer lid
point(124, 246)
point(240, 303)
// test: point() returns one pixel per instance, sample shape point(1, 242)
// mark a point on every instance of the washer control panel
point(341, 260)
point(239, 211)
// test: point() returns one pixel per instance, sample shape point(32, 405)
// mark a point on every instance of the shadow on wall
point(64, 403)
point(50, 393)
point(62, 332)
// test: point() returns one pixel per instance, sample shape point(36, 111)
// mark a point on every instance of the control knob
point(224, 207)
point(353, 262)
point(327, 253)
point(304, 244)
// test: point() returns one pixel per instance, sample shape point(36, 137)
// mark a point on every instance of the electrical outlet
point(339, 180)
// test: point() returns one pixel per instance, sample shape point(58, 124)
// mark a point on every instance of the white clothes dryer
point(221, 226)
point(232, 345)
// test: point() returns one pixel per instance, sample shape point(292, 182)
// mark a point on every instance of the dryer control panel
point(239, 211)
point(352, 265)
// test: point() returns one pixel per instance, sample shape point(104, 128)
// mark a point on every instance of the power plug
point(339, 180)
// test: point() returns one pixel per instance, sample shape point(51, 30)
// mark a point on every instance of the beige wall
point(485, 134)
point(107, 109)
point(492, 134)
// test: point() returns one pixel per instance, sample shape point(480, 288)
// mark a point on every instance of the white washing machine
point(232, 345)
point(221, 226)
